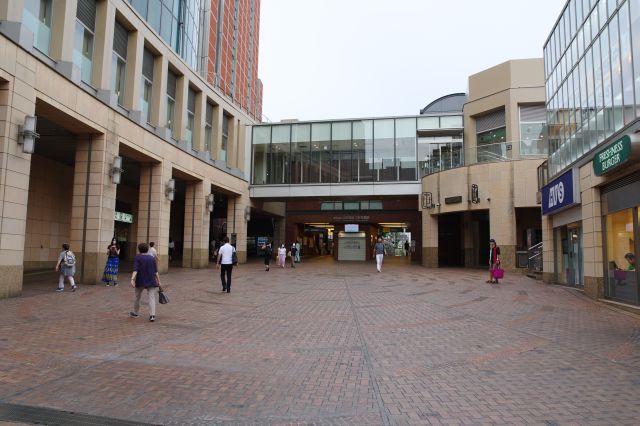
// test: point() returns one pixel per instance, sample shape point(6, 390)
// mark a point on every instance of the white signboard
point(349, 227)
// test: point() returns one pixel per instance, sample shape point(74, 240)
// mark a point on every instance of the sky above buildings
point(323, 59)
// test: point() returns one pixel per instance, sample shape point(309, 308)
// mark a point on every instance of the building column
point(232, 143)
point(591, 234)
point(429, 240)
point(159, 93)
point(94, 202)
point(548, 250)
point(62, 38)
point(218, 117)
point(236, 223)
point(12, 26)
point(502, 216)
point(154, 210)
point(198, 131)
point(16, 102)
point(195, 253)
point(103, 51)
point(241, 147)
point(182, 94)
point(133, 90)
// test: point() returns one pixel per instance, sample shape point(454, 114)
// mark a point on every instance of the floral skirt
point(111, 270)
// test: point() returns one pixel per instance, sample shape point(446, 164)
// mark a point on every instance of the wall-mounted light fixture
point(27, 134)
point(116, 170)
point(211, 203)
point(247, 213)
point(170, 190)
point(475, 196)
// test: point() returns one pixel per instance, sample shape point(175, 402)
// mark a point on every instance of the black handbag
point(164, 299)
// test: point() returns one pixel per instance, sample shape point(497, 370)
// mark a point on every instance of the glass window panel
point(384, 150)
point(362, 151)
point(621, 279)
point(280, 146)
point(83, 51)
point(616, 75)
point(147, 93)
point(351, 205)
point(165, 26)
point(300, 151)
point(375, 205)
point(118, 74)
point(428, 123)
point(261, 141)
point(320, 162)
point(406, 148)
point(606, 83)
point(189, 128)
point(635, 42)
point(341, 161)
point(141, 7)
point(154, 18)
point(37, 17)
point(626, 65)
point(491, 145)
point(451, 122)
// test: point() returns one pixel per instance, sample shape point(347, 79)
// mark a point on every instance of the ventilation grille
point(627, 180)
point(490, 121)
point(86, 13)
point(533, 114)
point(120, 40)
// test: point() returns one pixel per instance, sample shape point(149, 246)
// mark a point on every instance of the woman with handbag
point(494, 262)
point(145, 276)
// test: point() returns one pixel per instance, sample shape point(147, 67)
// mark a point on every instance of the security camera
point(437, 204)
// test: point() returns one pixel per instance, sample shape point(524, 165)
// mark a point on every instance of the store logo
point(556, 195)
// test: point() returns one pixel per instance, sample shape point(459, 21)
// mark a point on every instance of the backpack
point(69, 259)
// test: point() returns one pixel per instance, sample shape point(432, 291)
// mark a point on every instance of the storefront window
point(261, 141)
point(280, 147)
point(621, 277)
point(300, 149)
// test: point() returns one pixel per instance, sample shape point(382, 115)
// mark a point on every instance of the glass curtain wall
point(320, 159)
point(592, 71)
point(341, 152)
point(300, 151)
point(383, 150)
point(37, 17)
point(279, 164)
point(84, 35)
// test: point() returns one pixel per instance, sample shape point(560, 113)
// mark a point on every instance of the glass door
point(574, 264)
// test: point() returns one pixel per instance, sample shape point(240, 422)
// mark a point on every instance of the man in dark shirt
point(145, 275)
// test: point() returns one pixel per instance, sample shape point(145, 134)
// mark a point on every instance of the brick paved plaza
point(325, 343)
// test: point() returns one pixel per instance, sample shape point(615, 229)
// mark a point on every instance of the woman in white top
point(282, 255)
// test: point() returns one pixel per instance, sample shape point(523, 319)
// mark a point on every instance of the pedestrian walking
point(268, 252)
point(297, 251)
point(380, 252)
point(494, 260)
point(406, 248)
point(282, 255)
point(110, 274)
point(292, 253)
point(172, 248)
point(66, 265)
point(152, 251)
point(145, 276)
point(225, 264)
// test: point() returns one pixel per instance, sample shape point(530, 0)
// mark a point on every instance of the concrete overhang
point(335, 190)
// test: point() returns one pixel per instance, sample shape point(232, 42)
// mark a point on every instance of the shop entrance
point(450, 242)
point(568, 241)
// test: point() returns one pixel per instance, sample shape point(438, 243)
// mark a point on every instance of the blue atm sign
point(559, 194)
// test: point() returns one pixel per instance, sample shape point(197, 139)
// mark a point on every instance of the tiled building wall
point(48, 212)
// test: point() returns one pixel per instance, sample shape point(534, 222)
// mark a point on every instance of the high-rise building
point(591, 183)
point(219, 39)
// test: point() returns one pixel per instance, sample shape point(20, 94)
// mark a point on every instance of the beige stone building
point(492, 194)
point(132, 142)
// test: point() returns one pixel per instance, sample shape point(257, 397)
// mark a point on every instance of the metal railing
point(535, 258)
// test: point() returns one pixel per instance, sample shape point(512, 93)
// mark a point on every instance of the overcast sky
point(324, 59)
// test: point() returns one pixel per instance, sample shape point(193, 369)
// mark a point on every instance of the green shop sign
point(614, 155)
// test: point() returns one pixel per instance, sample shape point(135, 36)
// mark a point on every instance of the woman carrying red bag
point(494, 262)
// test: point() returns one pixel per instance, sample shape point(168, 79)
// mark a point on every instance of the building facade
point(343, 183)
point(591, 183)
point(490, 191)
point(109, 129)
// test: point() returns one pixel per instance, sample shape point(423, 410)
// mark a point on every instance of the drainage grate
point(49, 416)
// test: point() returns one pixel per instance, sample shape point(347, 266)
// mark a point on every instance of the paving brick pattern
point(326, 343)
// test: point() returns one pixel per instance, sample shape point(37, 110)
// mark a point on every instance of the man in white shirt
point(152, 251)
point(225, 264)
